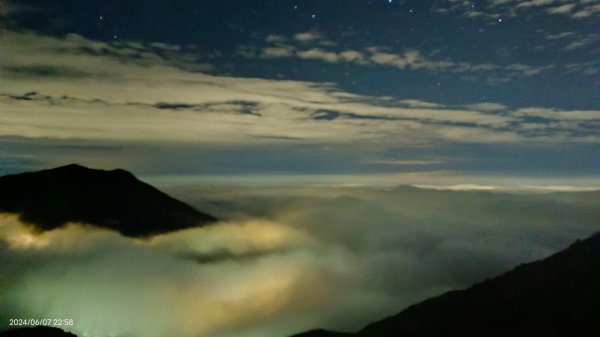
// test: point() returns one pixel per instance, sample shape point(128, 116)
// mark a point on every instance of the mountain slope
point(38, 331)
point(557, 296)
point(110, 199)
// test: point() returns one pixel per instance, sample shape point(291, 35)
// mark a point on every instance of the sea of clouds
point(283, 260)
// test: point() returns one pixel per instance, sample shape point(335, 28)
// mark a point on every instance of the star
point(499, 20)
point(314, 16)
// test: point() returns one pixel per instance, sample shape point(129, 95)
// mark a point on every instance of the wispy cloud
point(307, 36)
point(493, 9)
point(410, 162)
point(90, 96)
point(563, 9)
point(75, 90)
point(409, 59)
point(277, 51)
point(535, 3)
point(319, 54)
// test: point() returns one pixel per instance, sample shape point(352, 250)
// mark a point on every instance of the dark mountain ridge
point(556, 296)
point(114, 199)
point(38, 331)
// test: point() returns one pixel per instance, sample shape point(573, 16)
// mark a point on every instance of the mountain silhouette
point(324, 333)
point(38, 331)
point(556, 296)
point(110, 199)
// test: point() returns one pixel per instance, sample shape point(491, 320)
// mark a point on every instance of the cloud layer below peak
point(286, 260)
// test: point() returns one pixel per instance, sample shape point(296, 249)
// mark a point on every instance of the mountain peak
point(113, 199)
point(72, 167)
point(78, 170)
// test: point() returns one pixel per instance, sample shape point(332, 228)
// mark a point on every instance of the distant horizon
point(521, 183)
point(458, 181)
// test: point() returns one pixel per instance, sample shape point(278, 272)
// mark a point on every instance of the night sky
point(463, 89)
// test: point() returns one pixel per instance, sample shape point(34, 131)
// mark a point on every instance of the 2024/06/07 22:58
point(40, 321)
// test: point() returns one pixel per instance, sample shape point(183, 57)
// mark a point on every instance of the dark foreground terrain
point(38, 331)
point(110, 199)
point(557, 296)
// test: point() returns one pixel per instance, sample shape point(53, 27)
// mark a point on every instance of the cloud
point(559, 35)
point(582, 42)
point(527, 69)
point(274, 38)
point(36, 71)
point(286, 260)
point(589, 11)
point(535, 3)
point(97, 94)
point(409, 59)
point(415, 103)
point(588, 68)
point(493, 9)
point(563, 9)
point(488, 106)
point(126, 289)
point(319, 54)
point(555, 114)
point(274, 52)
point(352, 56)
point(10, 8)
point(104, 88)
point(410, 162)
point(572, 41)
point(307, 36)
point(461, 187)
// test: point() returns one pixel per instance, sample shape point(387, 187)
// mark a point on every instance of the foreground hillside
point(557, 296)
point(39, 331)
